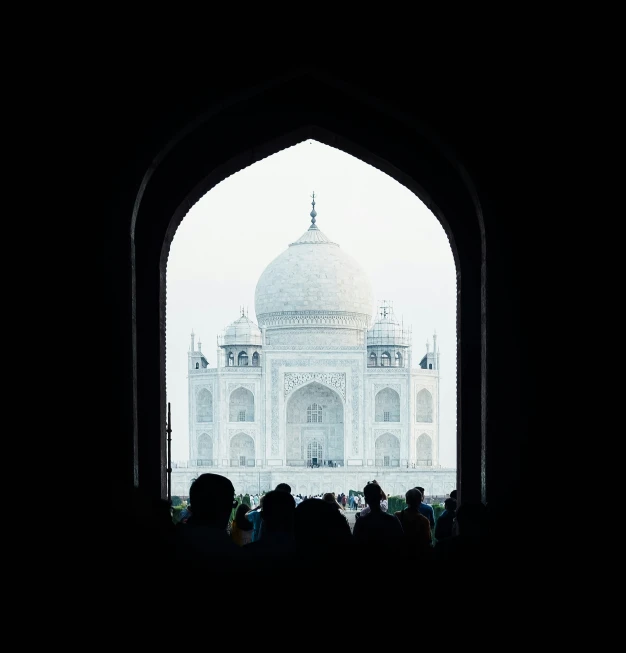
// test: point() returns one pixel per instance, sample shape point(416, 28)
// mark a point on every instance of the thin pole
point(169, 453)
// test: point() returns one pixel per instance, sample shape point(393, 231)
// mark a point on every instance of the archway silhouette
point(359, 126)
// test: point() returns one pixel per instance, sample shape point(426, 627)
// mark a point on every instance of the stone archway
point(434, 177)
point(314, 414)
point(241, 450)
point(387, 450)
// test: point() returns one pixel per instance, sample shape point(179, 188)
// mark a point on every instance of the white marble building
point(318, 395)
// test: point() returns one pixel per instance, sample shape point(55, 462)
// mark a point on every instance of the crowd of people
point(285, 532)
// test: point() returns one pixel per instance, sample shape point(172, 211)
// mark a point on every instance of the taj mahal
point(321, 393)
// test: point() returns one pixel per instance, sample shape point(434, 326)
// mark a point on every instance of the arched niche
point(387, 450)
point(387, 406)
point(314, 412)
point(241, 406)
point(204, 406)
point(424, 450)
point(241, 450)
point(205, 449)
point(424, 406)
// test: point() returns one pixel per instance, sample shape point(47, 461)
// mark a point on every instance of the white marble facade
point(317, 394)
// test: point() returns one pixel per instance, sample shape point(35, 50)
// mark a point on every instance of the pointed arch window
point(398, 359)
point(255, 359)
point(314, 414)
point(231, 359)
point(242, 359)
point(372, 361)
point(385, 360)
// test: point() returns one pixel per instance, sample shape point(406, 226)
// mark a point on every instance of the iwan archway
point(314, 427)
point(220, 144)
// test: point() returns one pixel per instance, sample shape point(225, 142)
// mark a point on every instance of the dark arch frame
point(268, 119)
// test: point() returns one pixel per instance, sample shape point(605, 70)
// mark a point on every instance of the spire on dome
point(313, 212)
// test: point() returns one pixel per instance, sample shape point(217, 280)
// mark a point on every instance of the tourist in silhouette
point(427, 510)
point(284, 487)
point(254, 517)
point(202, 544)
point(376, 533)
point(275, 550)
point(470, 545)
point(416, 527)
point(330, 498)
point(384, 502)
point(321, 533)
point(241, 529)
point(445, 522)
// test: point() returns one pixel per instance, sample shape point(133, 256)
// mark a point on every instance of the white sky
point(238, 228)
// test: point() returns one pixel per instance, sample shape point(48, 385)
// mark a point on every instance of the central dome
point(314, 283)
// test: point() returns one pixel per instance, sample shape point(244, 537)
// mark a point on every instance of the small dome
point(242, 332)
point(388, 332)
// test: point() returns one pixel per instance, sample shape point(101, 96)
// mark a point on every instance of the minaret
point(435, 366)
point(427, 345)
point(199, 345)
point(193, 335)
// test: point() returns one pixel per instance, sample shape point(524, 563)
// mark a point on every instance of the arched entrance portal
point(314, 428)
point(341, 119)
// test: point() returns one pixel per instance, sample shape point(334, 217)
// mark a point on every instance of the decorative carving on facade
point(355, 368)
point(334, 380)
point(314, 318)
point(396, 432)
point(234, 386)
point(381, 386)
point(200, 388)
point(233, 432)
point(315, 348)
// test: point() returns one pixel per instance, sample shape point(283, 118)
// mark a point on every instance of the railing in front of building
point(324, 464)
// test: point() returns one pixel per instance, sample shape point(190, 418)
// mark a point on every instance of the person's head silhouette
point(373, 495)
point(278, 511)
point(413, 498)
point(211, 498)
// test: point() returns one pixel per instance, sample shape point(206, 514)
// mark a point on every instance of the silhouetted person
point(470, 545)
point(416, 527)
point(203, 544)
point(284, 487)
point(254, 517)
point(445, 523)
point(377, 534)
point(427, 510)
point(275, 549)
point(322, 533)
point(241, 529)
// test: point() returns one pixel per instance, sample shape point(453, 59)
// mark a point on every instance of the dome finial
point(313, 212)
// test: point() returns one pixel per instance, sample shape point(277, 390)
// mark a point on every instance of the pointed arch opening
point(387, 406)
point(205, 450)
point(424, 406)
point(315, 413)
point(424, 450)
point(241, 406)
point(387, 450)
point(242, 450)
point(149, 218)
point(204, 406)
